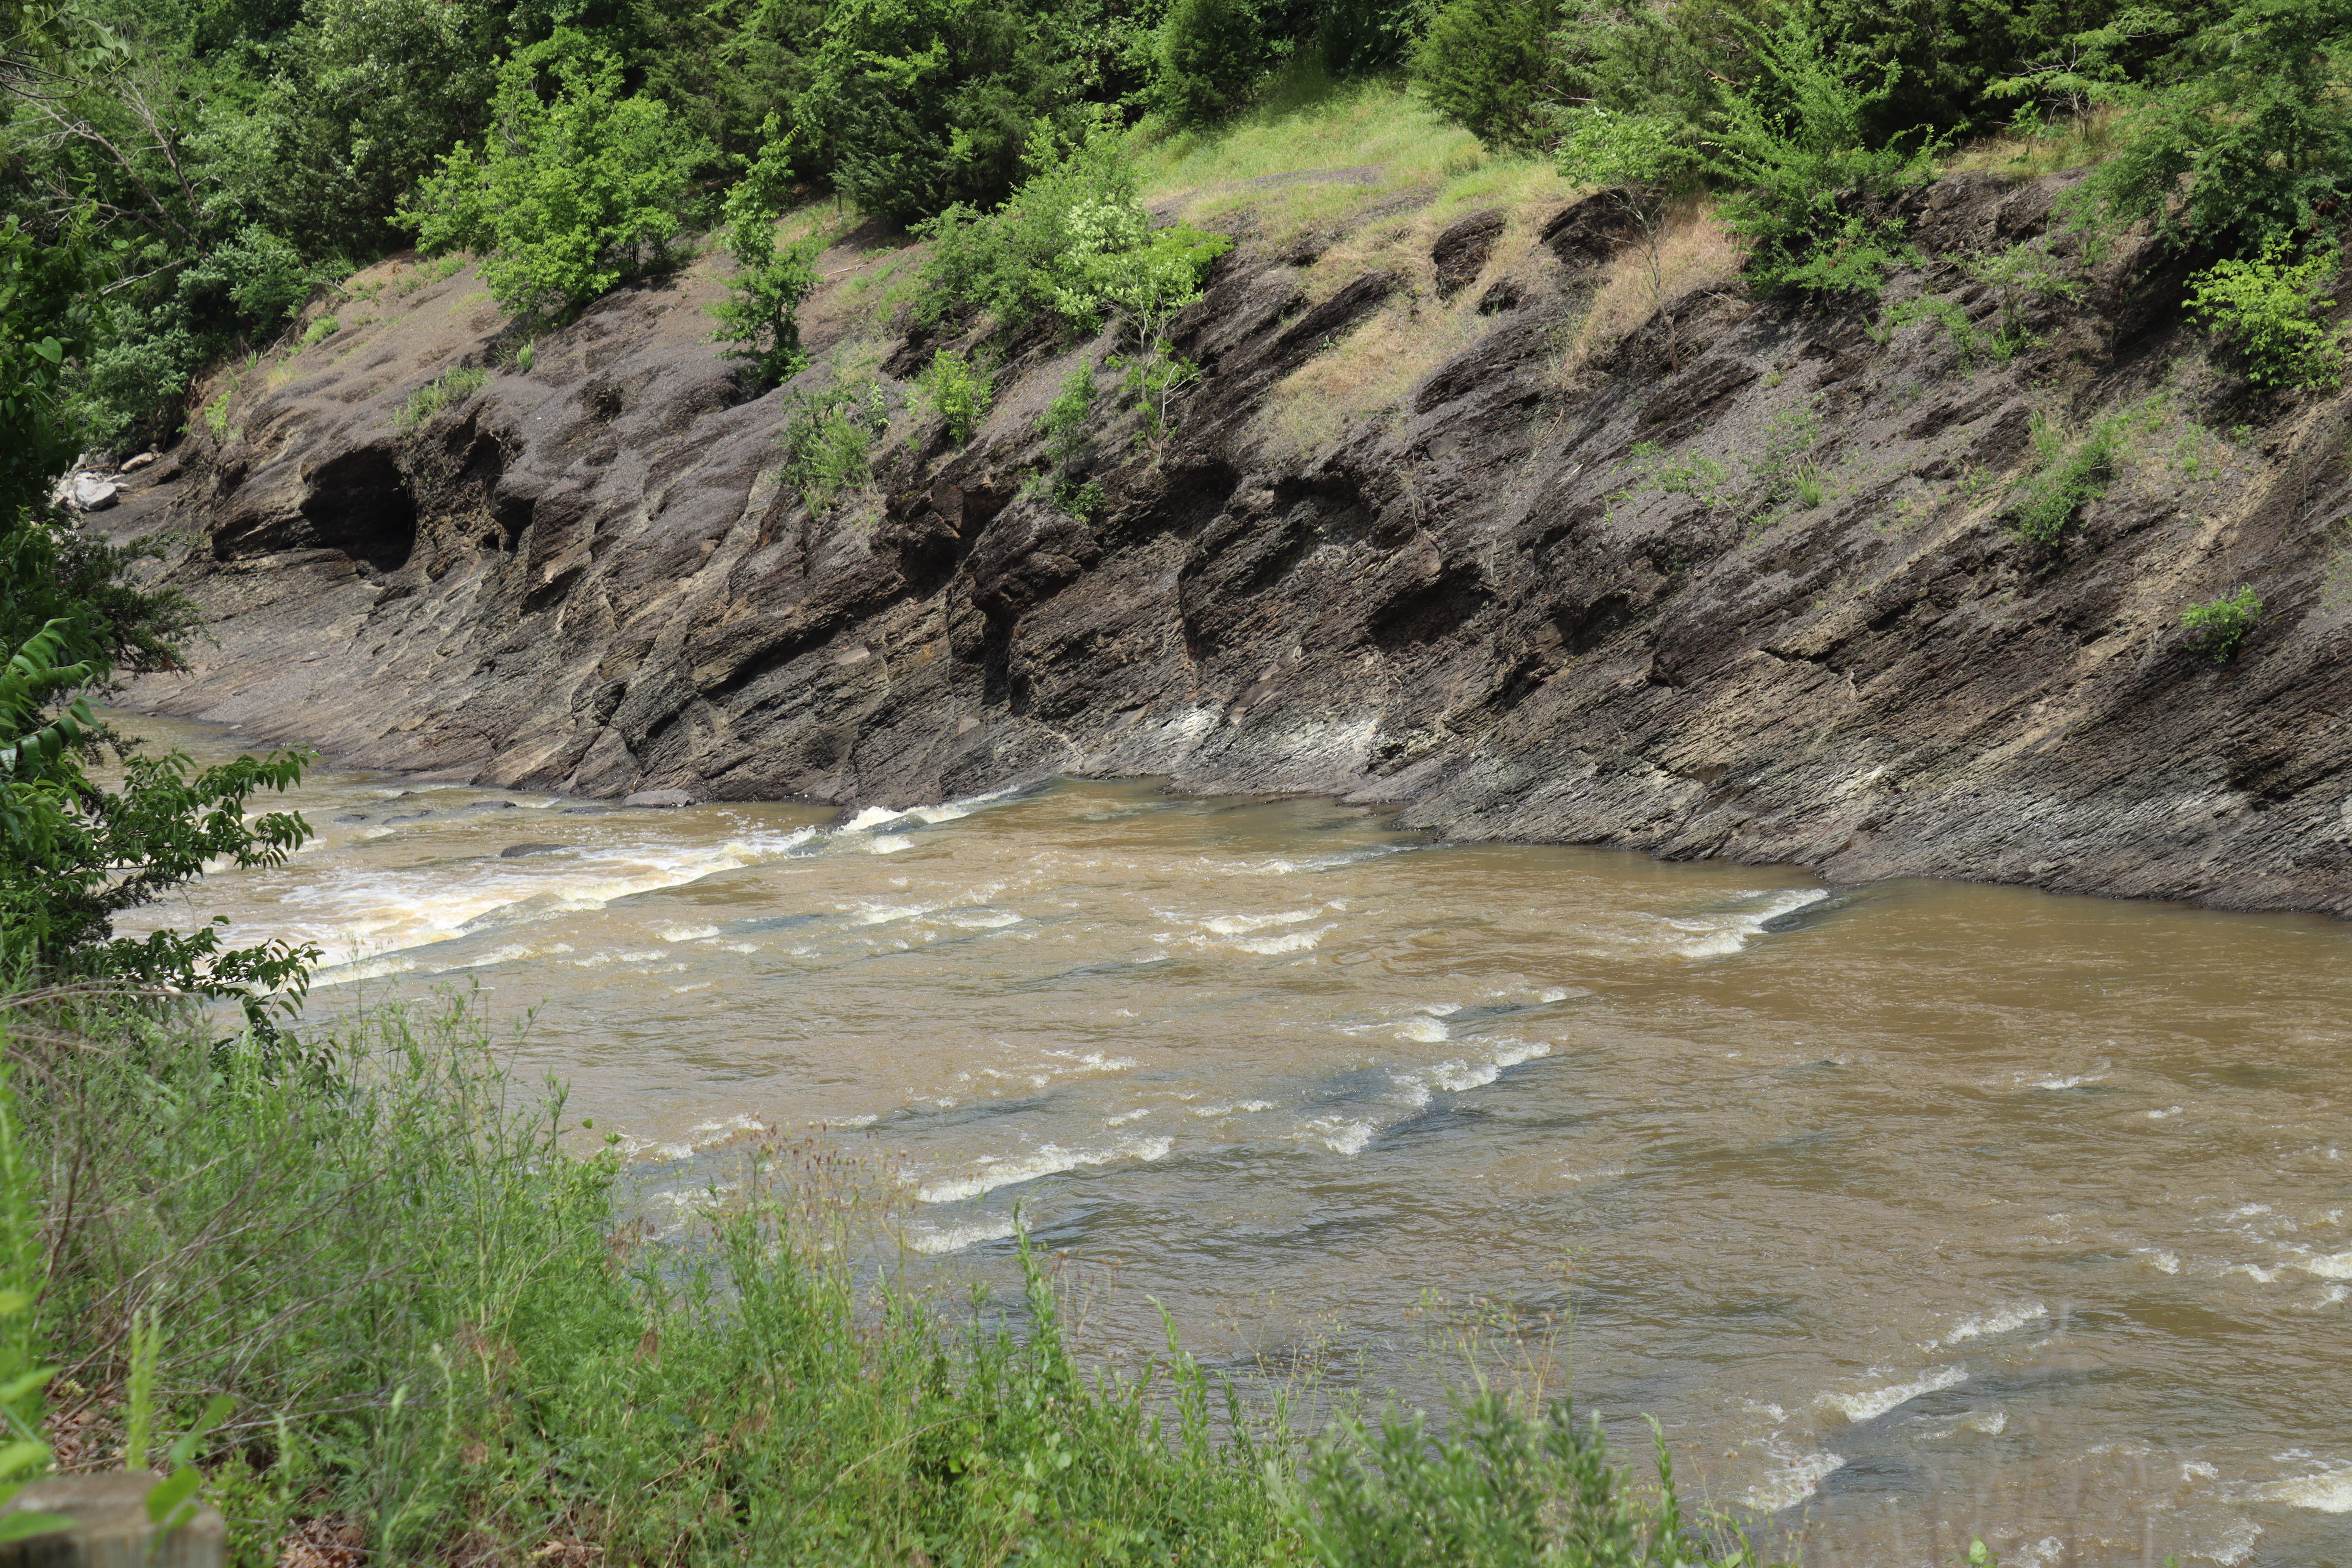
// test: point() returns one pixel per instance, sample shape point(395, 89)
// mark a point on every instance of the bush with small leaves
point(2269, 309)
point(2217, 627)
point(828, 440)
point(573, 191)
point(760, 313)
point(956, 391)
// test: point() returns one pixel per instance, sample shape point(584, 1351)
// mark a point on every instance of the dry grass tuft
point(1370, 374)
point(1695, 252)
point(2062, 144)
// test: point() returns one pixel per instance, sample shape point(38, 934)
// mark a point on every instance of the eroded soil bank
point(1739, 587)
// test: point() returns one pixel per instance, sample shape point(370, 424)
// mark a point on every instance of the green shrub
point(2018, 276)
point(1068, 428)
point(320, 330)
point(1358, 36)
point(1798, 150)
point(2249, 144)
point(75, 853)
point(921, 105)
point(1073, 243)
point(1489, 66)
point(570, 193)
point(761, 312)
point(1500, 1490)
point(1210, 56)
point(955, 393)
point(2269, 309)
point(2067, 475)
point(448, 388)
point(829, 439)
point(2216, 627)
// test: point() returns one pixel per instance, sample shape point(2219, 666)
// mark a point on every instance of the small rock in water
point(658, 798)
point(491, 805)
point(517, 851)
point(352, 816)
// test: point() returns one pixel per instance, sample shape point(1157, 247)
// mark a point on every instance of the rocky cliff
point(1738, 585)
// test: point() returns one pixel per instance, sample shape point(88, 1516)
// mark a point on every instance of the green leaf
point(50, 349)
point(169, 1493)
point(17, 1526)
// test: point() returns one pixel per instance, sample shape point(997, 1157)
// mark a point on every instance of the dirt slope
point(1598, 612)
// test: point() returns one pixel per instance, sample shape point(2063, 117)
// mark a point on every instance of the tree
point(1210, 56)
point(573, 191)
point(759, 314)
point(1490, 67)
point(2252, 144)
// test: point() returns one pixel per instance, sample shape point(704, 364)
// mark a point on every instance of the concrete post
point(110, 1528)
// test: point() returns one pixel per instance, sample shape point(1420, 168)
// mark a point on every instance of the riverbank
point(446, 1340)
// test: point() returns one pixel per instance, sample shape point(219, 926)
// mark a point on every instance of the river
point(1908, 1209)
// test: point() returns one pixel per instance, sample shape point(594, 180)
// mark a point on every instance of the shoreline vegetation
point(435, 1336)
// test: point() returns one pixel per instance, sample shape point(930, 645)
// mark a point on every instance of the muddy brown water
point(1908, 1209)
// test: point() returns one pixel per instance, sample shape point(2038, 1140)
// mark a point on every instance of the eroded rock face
point(1743, 591)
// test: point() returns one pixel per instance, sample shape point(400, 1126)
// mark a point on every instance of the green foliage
point(1357, 35)
point(2068, 473)
point(954, 392)
point(828, 440)
point(1489, 66)
point(921, 105)
point(2216, 627)
point(761, 312)
point(1798, 149)
point(74, 853)
point(2250, 142)
point(1210, 56)
point(449, 387)
point(570, 193)
point(1068, 428)
point(23, 1379)
point(1073, 243)
point(1500, 1490)
point(459, 1331)
point(320, 330)
point(2269, 307)
point(45, 326)
point(2017, 277)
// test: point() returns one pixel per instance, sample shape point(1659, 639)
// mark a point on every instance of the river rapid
point(1908, 1209)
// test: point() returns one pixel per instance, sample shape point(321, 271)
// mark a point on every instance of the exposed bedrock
point(1601, 612)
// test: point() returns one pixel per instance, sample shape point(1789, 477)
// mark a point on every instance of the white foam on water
point(367, 912)
point(739, 947)
point(1341, 1135)
point(507, 955)
point(2000, 1320)
point(2255, 1272)
point(1717, 935)
point(935, 1240)
point(686, 933)
point(1511, 1053)
point(1992, 1423)
point(2160, 1115)
point(984, 919)
point(1045, 1160)
point(2337, 1267)
point(872, 817)
point(1242, 925)
point(728, 1126)
point(359, 970)
point(1295, 941)
point(1125, 1117)
point(887, 843)
point(1089, 1061)
point(2077, 1081)
point(2329, 1491)
point(1237, 1107)
point(1871, 1403)
point(2163, 1262)
point(1422, 1030)
point(2235, 1544)
point(1797, 1478)
point(883, 914)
